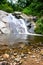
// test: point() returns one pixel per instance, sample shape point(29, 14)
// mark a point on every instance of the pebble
point(4, 63)
point(25, 57)
point(37, 62)
point(22, 55)
point(41, 52)
point(15, 54)
point(22, 45)
point(14, 63)
point(29, 53)
point(18, 59)
point(33, 56)
point(5, 56)
point(12, 57)
point(21, 61)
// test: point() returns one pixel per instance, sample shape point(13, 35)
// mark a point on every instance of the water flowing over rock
point(12, 27)
point(9, 23)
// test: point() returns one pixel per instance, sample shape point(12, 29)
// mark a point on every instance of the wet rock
point(3, 22)
point(5, 30)
point(22, 45)
point(2, 25)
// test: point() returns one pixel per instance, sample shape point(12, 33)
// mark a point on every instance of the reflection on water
point(35, 39)
point(13, 39)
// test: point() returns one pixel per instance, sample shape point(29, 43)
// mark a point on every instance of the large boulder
point(24, 16)
point(3, 22)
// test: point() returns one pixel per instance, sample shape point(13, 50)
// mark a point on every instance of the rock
point(29, 53)
point(21, 45)
point(21, 61)
point(25, 57)
point(14, 63)
point(5, 56)
point(12, 57)
point(5, 20)
point(24, 16)
point(37, 62)
point(5, 30)
point(22, 54)
point(33, 56)
point(11, 27)
point(15, 54)
point(41, 52)
point(18, 58)
point(4, 63)
point(17, 13)
point(2, 25)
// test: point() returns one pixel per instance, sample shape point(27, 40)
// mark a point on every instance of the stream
point(19, 45)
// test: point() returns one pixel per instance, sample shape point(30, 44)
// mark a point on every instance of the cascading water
point(15, 29)
point(17, 26)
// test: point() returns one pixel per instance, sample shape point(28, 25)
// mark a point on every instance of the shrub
point(39, 26)
point(6, 8)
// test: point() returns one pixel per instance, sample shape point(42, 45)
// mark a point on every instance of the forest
point(28, 7)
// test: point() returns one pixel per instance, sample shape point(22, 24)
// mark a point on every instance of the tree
point(3, 1)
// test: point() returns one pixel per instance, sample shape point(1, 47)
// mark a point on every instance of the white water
point(16, 26)
point(18, 30)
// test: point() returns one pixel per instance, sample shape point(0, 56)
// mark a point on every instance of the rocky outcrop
point(30, 20)
point(4, 25)
point(3, 22)
point(24, 16)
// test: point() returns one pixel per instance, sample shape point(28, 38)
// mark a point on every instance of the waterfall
point(17, 26)
point(13, 29)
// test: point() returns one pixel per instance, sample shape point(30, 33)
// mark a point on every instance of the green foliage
point(6, 8)
point(24, 3)
point(16, 7)
point(29, 7)
point(3, 1)
point(34, 9)
point(39, 26)
point(27, 11)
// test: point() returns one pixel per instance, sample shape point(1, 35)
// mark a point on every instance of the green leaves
point(39, 26)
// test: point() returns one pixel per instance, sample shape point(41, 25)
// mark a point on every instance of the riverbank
point(21, 55)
